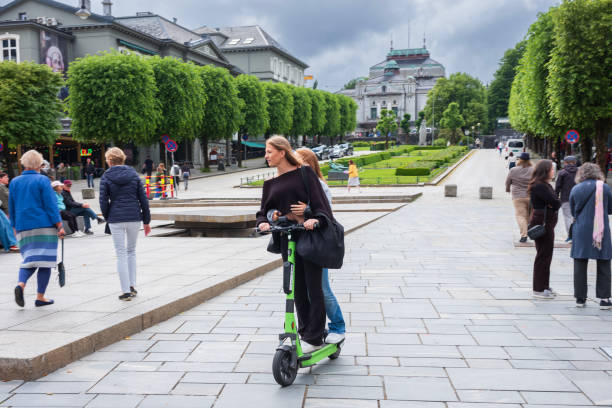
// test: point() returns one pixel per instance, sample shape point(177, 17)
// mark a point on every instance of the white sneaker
point(308, 348)
point(77, 234)
point(544, 295)
point(334, 338)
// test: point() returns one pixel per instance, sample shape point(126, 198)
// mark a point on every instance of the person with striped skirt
point(36, 220)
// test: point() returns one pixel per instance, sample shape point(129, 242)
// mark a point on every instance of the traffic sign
point(171, 146)
point(572, 136)
point(165, 139)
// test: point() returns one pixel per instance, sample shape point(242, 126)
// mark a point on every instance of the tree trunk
point(601, 142)
point(205, 151)
point(586, 148)
point(228, 152)
point(240, 150)
point(8, 159)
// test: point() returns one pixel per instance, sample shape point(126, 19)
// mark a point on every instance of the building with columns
point(399, 83)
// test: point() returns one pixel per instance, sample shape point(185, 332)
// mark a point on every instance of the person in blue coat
point(590, 203)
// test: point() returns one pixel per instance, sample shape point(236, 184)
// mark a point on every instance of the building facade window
point(394, 109)
point(9, 47)
point(23, 16)
point(384, 88)
point(373, 113)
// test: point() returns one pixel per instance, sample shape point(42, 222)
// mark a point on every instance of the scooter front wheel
point(282, 369)
point(335, 355)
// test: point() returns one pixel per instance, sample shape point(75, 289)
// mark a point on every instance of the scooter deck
point(318, 355)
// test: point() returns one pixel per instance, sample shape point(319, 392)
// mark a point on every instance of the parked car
point(347, 148)
point(336, 152)
point(322, 152)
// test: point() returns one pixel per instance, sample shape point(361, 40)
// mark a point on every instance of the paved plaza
point(436, 297)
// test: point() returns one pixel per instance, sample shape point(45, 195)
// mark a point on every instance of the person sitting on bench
point(79, 209)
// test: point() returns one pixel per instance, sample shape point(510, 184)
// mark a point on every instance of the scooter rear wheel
point(284, 373)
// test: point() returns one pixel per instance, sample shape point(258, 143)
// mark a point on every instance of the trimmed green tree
point(223, 113)
point(280, 108)
point(332, 116)
point(405, 123)
point(254, 108)
point(452, 120)
point(180, 92)
point(387, 124)
point(498, 93)
point(113, 99)
point(580, 78)
point(29, 107)
point(318, 113)
point(302, 112)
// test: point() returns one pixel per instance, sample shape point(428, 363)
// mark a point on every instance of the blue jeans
point(125, 235)
point(43, 277)
point(90, 181)
point(332, 308)
point(87, 213)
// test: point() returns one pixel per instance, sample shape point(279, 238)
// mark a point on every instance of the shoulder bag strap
point(585, 203)
point(305, 181)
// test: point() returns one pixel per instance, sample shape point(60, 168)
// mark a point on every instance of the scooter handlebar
point(286, 228)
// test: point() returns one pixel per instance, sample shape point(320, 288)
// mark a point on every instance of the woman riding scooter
point(279, 194)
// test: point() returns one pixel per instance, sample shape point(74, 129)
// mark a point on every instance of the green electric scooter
point(289, 356)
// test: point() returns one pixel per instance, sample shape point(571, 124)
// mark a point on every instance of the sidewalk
point(439, 315)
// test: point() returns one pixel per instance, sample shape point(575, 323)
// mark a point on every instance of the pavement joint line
point(36, 367)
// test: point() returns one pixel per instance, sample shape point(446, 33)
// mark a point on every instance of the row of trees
point(124, 99)
point(129, 98)
point(563, 79)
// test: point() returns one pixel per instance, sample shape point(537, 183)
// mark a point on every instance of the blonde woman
point(124, 205)
point(36, 219)
point(280, 193)
point(337, 326)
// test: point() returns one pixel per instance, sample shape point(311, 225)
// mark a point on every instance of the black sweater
point(281, 192)
point(542, 194)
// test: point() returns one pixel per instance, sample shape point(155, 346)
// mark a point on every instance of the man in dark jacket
point(79, 209)
point(90, 172)
point(563, 186)
point(4, 193)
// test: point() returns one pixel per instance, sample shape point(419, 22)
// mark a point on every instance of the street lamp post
point(83, 12)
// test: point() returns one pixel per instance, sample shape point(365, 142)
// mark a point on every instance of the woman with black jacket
point(544, 201)
point(279, 193)
point(124, 205)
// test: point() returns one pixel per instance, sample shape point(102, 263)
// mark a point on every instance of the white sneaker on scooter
point(334, 338)
point(308, 348)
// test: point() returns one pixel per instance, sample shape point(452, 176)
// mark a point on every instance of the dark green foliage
point(255, 105)
point(412, 171)
point(405, 123)
point(332, 115)
point(498, 94)
point(302, 111)
point(387, 124)
point(29, 107)
point(113, 98)
point(318, 108)
point(223, 114)
point(452, 120)
point(181, 94)
point(280, 108)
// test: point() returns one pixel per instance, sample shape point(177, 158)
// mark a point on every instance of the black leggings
point(309, 300)
point(71, 219)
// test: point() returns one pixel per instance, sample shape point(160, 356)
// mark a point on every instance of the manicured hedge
point(414, 171)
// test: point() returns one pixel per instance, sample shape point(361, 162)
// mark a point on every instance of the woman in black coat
point(545, 207)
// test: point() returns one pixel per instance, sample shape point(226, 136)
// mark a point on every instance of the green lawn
point(361, 149)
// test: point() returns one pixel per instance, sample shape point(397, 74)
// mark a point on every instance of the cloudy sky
point(341, 39)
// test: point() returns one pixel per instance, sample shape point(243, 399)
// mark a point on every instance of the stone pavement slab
point(427, 273)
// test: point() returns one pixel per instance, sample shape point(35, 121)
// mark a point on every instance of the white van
point(516, 146)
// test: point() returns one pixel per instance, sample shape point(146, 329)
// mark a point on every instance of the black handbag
point(274, 245)
point(538, 231)
point(323, 246)
point(570, 233)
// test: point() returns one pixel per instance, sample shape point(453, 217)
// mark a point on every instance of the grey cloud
point(341, 39)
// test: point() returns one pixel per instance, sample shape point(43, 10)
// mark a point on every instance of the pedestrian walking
point(545, 206)
point(148, 166)
point(590, 203)
point(564, 184)
point(66, 215)
point(608, 162)
point(336, 326)
point(124, 206)
point(79, 209)
point(175, 172)
point(511, 161)
point(90, 172)
point(36, 219)
point(280, 193)
point(353, 176)
point(186, 170)
point(517, 181)
point(4, 193)
point(61, 171)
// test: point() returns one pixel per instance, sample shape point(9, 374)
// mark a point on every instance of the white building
point(399, 83)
